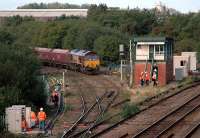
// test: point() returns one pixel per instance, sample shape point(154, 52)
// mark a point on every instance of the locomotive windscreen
point(92, 57)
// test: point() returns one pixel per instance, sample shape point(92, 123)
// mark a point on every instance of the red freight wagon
point(43, 54)
point(58, 56)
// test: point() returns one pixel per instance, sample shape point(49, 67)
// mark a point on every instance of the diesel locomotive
point(81, 60)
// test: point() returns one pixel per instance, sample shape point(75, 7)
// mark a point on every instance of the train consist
point(81, 60)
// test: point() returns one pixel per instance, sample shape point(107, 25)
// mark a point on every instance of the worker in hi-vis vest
point(147, 78)
point(33, 119)
point(141, 78)
point(154, 77)
point(41, 117)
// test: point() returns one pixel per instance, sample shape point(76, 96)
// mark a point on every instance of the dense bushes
point(19, 81)
point(105, 29)
point(128, 110)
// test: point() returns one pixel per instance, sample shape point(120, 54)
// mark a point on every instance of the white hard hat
point(41, 109)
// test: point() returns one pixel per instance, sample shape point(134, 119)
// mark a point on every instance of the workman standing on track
point(41, 117)
point(55, 97)
point(142, 78)
point(154, 79)
point(33, 119)
point(147, 78)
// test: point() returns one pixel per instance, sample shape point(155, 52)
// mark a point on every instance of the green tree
point(19, 83)
point(88, 36)
point(186, 45)
point(13, 21)
point(6, 37)
point(107, 48)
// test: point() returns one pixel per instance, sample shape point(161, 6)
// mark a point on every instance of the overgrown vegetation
point(68, 107)
point(103, 30)
point(188, 80)
point(19, 81)
point(129, 109)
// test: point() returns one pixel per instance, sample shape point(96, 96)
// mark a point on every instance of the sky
point(180, 5)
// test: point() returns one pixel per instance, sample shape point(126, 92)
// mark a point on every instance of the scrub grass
point(129, 109)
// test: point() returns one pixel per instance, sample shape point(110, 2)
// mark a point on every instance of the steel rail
point(82, 116)
point(69, 131)
point(162, 118)
point(154, 104)
point(192, 130)
point(178, 120)
point(103, 111)
point(96, 121)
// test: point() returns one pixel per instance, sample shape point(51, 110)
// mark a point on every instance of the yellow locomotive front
point(86, 61)
point(92, 62)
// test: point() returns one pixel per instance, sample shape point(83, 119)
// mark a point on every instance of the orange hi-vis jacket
point(147, 77)
point(33, 116)
point(41, 116)
point(141, 76)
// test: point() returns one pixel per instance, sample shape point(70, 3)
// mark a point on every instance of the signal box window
point(159, 49)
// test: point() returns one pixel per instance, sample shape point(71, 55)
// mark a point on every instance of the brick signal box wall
point(150, 51)
point(165, 72)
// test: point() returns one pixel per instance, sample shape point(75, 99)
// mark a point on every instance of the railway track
point(71, 129)
point(122, 128)
point(102, 103)
point(192, 130)
point(99, 119)
point(82, 83)
point(56, 116)
point(84, 114)
point(160, 126)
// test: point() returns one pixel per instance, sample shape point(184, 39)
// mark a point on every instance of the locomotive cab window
point(92, 57)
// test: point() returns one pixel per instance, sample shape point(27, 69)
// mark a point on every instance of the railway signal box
point(153, 53)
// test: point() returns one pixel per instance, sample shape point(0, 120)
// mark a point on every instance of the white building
point(187, 61)
point(44, 13)
point(192, 60)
